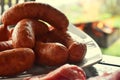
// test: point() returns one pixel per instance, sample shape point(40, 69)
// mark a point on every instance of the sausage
point(76, 52)
point(76, 49)
point(39, 27)
point(37, 11)
point(4, 33)
point(23, 35)
point(16, 61)
point(5, 45)
point(50, 54)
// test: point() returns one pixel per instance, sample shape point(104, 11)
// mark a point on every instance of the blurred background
point(98, 18)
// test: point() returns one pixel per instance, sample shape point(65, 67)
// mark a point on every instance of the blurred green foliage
point(113, 50)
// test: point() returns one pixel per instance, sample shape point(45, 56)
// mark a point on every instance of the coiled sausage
point(37, 11)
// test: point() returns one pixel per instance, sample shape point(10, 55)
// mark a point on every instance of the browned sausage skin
point(76, 49)
point(23, 35)
point(15, 61)
point(77, 52)
point(5, 45)
point(37, 11)
point(39, 27)
point(50, 54)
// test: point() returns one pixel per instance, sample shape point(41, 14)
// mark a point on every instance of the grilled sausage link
point(50, 54)
point(4, 33)
point(34, 10)
point(76, 49)
point(23, 35)
point(15, 61)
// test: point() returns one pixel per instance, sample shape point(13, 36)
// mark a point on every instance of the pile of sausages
point(39, 36)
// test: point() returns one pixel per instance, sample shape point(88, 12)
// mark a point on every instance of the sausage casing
point(77, 52)
point(15, 61)
point(50, 54)
point(39, 27)
point(37, 11)
point(76, 49)
point(23, 35)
